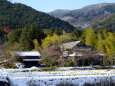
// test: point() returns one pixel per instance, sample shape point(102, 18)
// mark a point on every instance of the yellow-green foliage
point(111, 43)
point(36, 45)
point(100, 43)
point(90, 36)
point(56, 39)
point(106, 43)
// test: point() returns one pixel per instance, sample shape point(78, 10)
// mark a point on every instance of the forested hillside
point(89, 15)
point(16, 15)
point(106, 22)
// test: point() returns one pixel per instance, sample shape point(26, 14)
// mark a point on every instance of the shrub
point(9, 65)
point(66, 84)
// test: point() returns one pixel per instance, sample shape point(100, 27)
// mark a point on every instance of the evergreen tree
point(82, 38)
point(39, 34)
point(25, 40)
point(76, 34)
point(50, 32)
point(14, 36)
point(57, 31)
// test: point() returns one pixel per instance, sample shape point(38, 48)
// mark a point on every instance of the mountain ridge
point(89, 7)
point(83, 17)
point(17, 15)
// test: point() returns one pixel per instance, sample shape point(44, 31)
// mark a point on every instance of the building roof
point(31, 59)
point(70, 45)
point(25, 53)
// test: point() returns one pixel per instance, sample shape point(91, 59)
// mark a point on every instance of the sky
point(51, 5)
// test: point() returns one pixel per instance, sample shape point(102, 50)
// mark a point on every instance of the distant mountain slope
point(58, 13)
point(106, 22)
point(18, 15)
point(89, 15)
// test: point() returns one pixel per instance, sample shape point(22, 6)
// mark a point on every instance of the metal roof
point(31, 59)
point(25, 53)
point(70, 45)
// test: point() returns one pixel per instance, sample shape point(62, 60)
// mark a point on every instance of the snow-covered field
point(51, 78)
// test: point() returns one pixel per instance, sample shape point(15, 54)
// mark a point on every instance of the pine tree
point(25, 40)
point(57, 31)
point(14, 36)
point(51, 31)
point(76, 34)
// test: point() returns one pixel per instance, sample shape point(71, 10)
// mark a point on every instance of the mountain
point(16, 15)
point(107, 21)
point(58, 13)
point(88, 15)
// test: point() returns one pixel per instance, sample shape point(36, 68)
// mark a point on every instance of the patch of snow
point(42, 64)
point(35, 68)
point(101, 54)
point(32, 59)
point(25, 53)
point(51, 78)
point(19, 65)
point(64, 68)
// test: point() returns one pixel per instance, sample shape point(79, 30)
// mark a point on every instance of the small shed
point(28, 58)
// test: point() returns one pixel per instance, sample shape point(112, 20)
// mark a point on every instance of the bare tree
point(51, 54)
point(2, 47)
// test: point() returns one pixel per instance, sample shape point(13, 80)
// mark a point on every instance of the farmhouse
point(28, 58)
point(85, 55)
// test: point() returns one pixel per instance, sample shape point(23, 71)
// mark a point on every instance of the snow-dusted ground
point(51, 78)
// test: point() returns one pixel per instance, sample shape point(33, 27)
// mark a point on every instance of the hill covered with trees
point(107, 21)
point(16, 15)
point(89, 15)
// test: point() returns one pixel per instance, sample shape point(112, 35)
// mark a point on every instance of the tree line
point(33, 38)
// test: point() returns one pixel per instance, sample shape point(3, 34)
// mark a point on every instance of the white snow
point(51, 78)
point(19, 65)
point(31, 59)
point(25, 53)
point(102, 54)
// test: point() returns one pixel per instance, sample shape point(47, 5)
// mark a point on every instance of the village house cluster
point(86, 55)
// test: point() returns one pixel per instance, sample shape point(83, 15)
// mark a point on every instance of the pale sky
point(51, 5)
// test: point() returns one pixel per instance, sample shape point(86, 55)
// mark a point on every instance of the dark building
point(28, 58)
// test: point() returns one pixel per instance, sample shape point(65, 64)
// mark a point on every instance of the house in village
point(85, 55)
point(28, 58)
